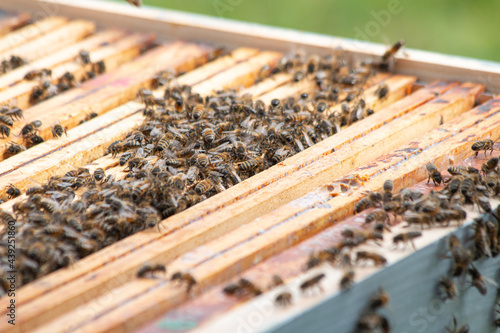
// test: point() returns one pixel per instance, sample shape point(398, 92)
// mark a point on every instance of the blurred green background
point(468, 28)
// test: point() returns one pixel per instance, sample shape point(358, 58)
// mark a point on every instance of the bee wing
point(299, 145)
point(193, 171)
point(172, 170)
point(140, 152)
point(279, 126)
point(310, 143)
point(156, 132)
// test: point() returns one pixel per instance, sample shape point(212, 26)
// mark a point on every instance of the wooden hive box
point(269, 224)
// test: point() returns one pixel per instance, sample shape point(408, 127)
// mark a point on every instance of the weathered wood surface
point(268, 84)
point(23, 159)
point(241, 75)
point(10, 23)
point(275, 240)
point(408, 272)
point(241, 235)
point(100, 283)
point(113, 56)
point(30, 32)
point(289, 265)
point(79, 157)
point(111, 89)
point(66, 54)
point(54, 280)
point(52, 41)
point(218, 65)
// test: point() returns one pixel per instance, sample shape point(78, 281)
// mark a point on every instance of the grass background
point(461, 27)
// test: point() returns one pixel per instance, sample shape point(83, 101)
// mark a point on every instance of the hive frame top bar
point(170, 24)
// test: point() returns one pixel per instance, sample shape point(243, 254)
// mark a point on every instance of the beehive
point(252, 228)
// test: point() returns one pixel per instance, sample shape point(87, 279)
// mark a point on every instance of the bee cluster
point(12, 63)
point(187, 149)
point(43, 91)
point(466, 186)
point(47, 89)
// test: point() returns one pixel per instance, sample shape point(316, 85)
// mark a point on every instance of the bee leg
point(413, 244)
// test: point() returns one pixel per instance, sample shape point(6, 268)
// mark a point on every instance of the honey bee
point(446, 289)
point(185, 278)
point(31, 75)
point(84, 57)
point(35, 190)
point(380, 299)
point(482, 203)
point(163, 78)
point(242, 287)
point(14, 113)
point(204, 186)
point(388, 57)
point(433, 174)
point(30, 128)
point(460, 170)
point(492, 183)
point(347, 280)
point(6, 217)
point(99, 67)
point(276, 281)
point(477, 280)
point(13, 191)
point(124, 158)
point(363, 204)
point(485, 145)
point(57, 130)
point(150, 269)
point(317, 258)
point(136, 3)
point(34, 139)
point(456, 329)
point(298, 76)
point(377, 259)
point(496, 322)
point(492, 232)
point(6, 120)
point(461, 258)
point(382, 91)
point(15, 148)
point(208, 135)
point(283, 299)
point(250, 164)
point(490, 166)
point(16, 61)
point(407, 237)
point(99, 174)
point(372, 322)
point(388, 187)
point(377, 215)
point(313, 282)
